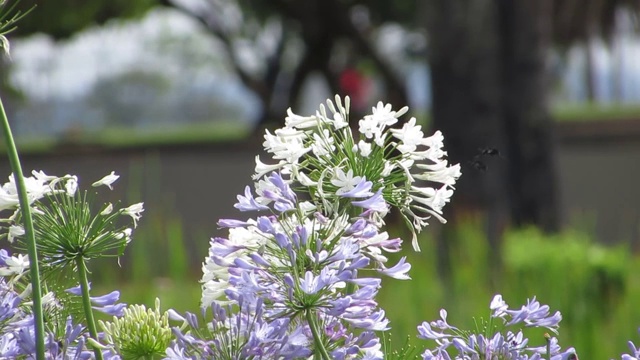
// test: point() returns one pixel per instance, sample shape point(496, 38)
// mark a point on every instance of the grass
point(122, 137)
point(220, 131)
point(596, 288)
point(184, 134)
point(596, 112)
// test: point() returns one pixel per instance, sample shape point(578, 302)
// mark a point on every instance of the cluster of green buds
point(140, 333)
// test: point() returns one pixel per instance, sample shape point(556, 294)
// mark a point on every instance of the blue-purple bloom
point(17, 332)
point(497, 341)
point(362, 189)
point(375, 203)
point(635, 351)
point(241, 334)
point(107, 304)
point(248, 203)
point(306, 267)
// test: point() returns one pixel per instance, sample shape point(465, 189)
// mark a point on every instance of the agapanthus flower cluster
point(325, 202)
point(137, 332)
point(500, 337)
point(69, 234)
point(64, 339)
point(66, 225)
point(304, 267)
point(378, 166)
point(238, 332)
point(37, 186)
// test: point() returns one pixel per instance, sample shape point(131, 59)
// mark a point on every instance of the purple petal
point(104, 300)
point(113, 310)
point(363, 189)
point(248, 203)
point(231, 223)
point(399, 271)
point(375, 203)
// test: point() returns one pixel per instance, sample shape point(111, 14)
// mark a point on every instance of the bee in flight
point(477, 162)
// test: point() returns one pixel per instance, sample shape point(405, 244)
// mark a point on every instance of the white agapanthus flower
point(342, 169)
point(365, 148)
point(107, 180)
point(15, 231)
point(37, 186)
point(71, 186)
point(14, 265)
point(345, 181)
point(135, 211)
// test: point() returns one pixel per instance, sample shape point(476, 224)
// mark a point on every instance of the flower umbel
point(493, 339)
point(68, 228)
point(240, 333)
point(378, 161)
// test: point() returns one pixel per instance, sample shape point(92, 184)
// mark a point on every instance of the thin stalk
point(86, 303)
point(32, 251)
point(548, 339)
point(313, 325)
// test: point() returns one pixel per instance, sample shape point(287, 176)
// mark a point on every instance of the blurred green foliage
point(593, 286)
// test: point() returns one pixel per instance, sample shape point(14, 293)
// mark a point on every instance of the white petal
point(107, 180)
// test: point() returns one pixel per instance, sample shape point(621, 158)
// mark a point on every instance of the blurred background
point(538, 100)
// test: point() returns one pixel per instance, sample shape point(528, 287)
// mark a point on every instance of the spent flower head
point(344, 171)
point(9, 17)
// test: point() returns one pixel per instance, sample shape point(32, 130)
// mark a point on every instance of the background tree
point(490, 84)
point(319, 25)
point(488, 65)
point(62, 18)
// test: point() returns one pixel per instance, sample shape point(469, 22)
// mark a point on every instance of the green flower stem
point(316, 335)
point(86, 303)
point(32, 251)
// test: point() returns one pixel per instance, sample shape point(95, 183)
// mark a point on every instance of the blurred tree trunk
point(466, 88)
point(320, 36)
point(526, 37)
point(487, 60)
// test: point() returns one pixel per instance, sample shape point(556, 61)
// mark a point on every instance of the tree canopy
point(63, 18)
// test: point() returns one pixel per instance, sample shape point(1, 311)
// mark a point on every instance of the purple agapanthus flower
point(17, 332)
point(306, 266)
point(375, 203)
point(499, 342)
point(232, 334)
point(248, 203)
point(107, 304)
